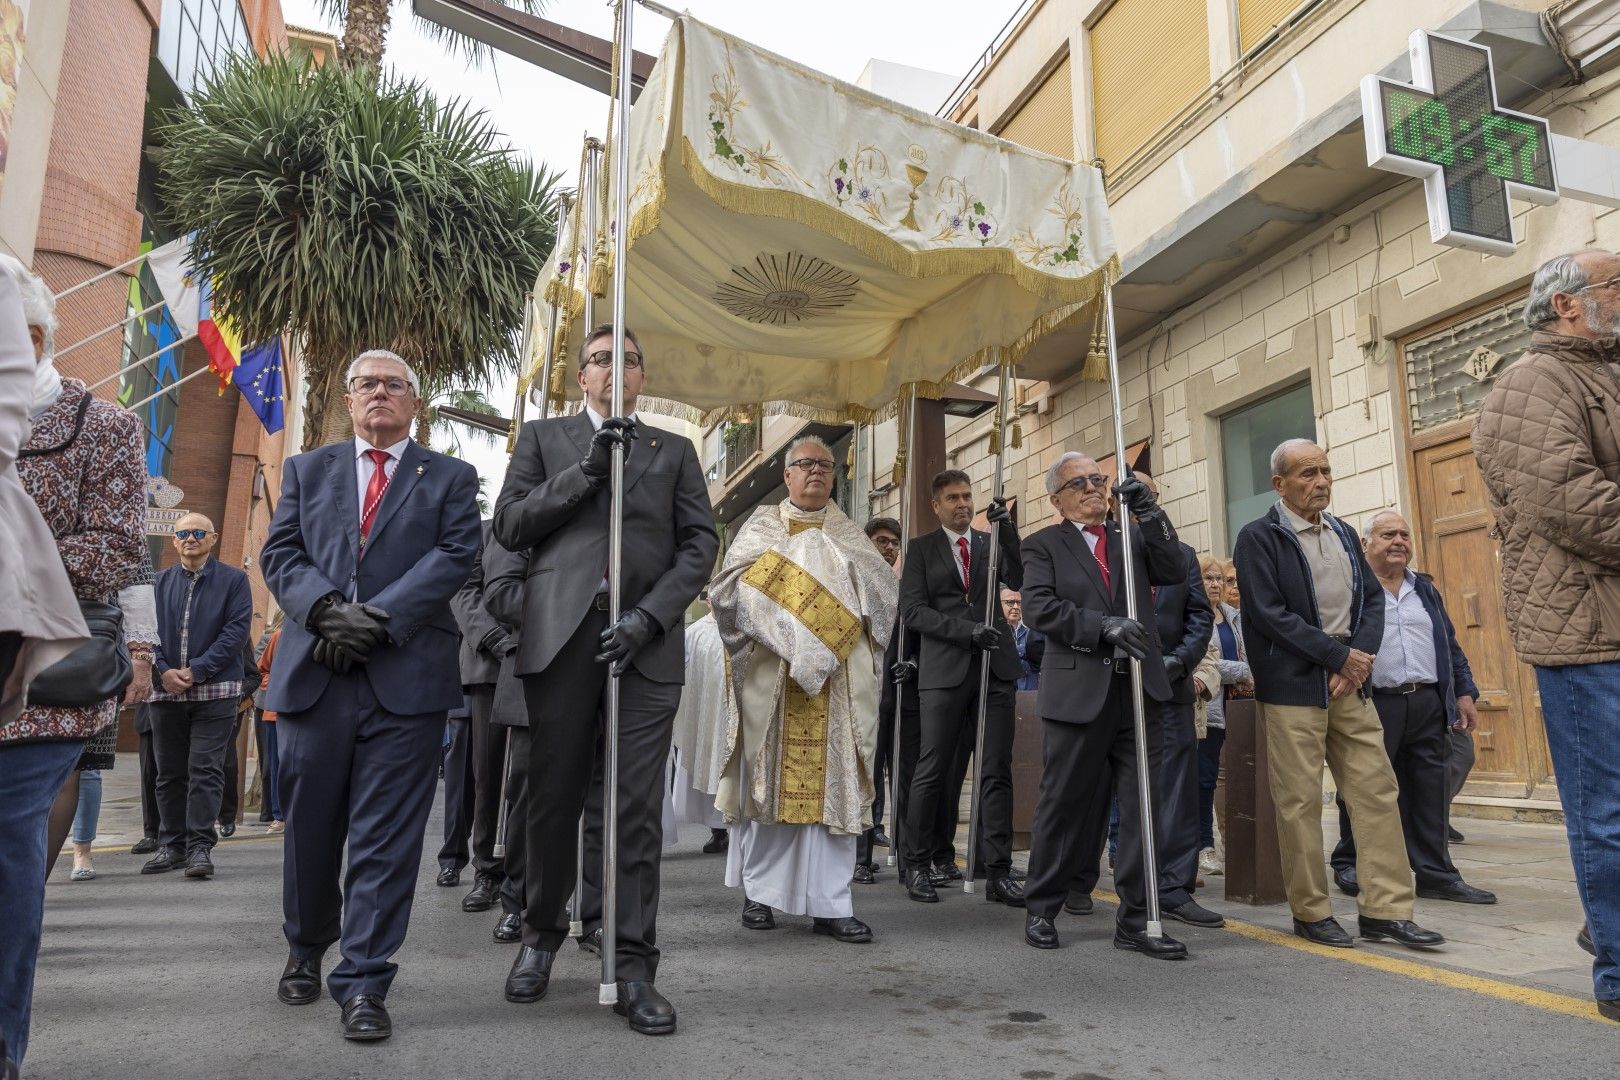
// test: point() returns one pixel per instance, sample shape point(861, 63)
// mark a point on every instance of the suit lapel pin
point(420, 469)
point(653, 443)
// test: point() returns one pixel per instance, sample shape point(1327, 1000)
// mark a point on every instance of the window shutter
point(1149, 60)
point(1046, 121)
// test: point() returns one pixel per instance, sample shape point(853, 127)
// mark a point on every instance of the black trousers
point(1081, 765)
point(230, 798)
point(517, 815)
point(353, 773)
point(1415, 739)
point(567, 706)
point(949, 724)
point(151, 823)
point(189, 742)
point(472, 787)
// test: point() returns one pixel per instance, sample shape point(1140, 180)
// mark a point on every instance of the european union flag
point(258, 376)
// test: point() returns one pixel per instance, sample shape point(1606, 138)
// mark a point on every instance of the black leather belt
point(1403, 689)
point(599, 602)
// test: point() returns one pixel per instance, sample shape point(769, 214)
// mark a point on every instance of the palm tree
point(430, 422)
point(365, 29)
point(355, 213)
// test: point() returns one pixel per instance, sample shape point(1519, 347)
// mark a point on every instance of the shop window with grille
point(1449, 371)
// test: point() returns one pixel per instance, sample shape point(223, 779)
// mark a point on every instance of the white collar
point(596, 419)
point(361, 446)
point(955, 536)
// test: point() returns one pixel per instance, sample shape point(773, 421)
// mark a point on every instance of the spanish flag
point(219, 337)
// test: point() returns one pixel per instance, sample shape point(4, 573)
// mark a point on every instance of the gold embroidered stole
point(795, 591)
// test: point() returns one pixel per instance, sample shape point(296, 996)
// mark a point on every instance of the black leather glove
point(986, 637)
point(356, 628)
point(615, 431)
point(1174, 669)
point(998, 513)
point(1133, 492)
point(621, 641)
point(334, 657)
point(903, 671)
point(1125, 635)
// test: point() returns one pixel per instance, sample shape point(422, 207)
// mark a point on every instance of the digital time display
point(1448, 128)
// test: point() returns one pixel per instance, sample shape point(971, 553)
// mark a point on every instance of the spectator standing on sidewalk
point(1548, 443)
point(270, 759)
point(205, 610)
point(1235, 682)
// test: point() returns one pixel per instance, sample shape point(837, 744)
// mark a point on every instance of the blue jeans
point(34, 772)
point(1580, 706)
point(1209, 775)
point(89, 811)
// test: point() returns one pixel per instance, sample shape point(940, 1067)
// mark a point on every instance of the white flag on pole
point(180, 292)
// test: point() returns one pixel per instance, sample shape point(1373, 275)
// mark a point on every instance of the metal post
point(506, 771)
point(610, 759)
point(992, 597)
point(895, 824)
point(119, 325)
point(1127, 558)
point(140, 362)
point(172, 386)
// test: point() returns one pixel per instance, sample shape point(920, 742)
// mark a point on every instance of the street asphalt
point(169, 978)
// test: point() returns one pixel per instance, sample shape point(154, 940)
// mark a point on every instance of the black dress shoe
point(1401, 931)
point(1584, 939)
point(530, 975)
point(448, 878)
point(144, 846)
point(165, 860)
point(227, 829)
point(648, 1011)
point(508, 929)
point(1347, 881)
point(1324, 932)
point(949, 870)
point(865, 874)
point(365, 1019)
point(1163, 947)
point(591, 942)
point(1458, 892)
point(937, 877)
point(1078, 903)
point(1039, 932)
point(1454, 836)
point(850, 930)
point(758, 916)
point(719, 840)
point(880, 838)
point(199, 865)
point(300, 980)
point(1195, 914)
point(1002, 890)
point(921, 887)
point(482, 895)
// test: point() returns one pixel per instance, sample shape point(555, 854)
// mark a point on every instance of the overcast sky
point(546, 117)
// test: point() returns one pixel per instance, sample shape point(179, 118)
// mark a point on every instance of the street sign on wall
point(1472, 155)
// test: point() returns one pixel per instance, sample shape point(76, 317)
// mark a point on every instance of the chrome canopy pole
point(895, 824)
point(610, 760)
point(992, 597)
point(1127, 560)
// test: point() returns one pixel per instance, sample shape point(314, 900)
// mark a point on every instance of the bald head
point(1302, 477)
point(194, 538)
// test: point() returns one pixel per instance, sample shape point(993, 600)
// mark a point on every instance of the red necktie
point(967, 564)
point(1101, 554)
point(374, 490)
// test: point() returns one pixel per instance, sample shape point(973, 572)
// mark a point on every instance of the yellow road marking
point(1567, 1004)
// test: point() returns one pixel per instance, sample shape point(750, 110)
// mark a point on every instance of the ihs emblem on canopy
point(783, 289)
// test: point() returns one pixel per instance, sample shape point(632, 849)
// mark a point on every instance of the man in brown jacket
point(1548, 441)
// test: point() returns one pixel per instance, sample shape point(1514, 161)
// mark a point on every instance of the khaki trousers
point(1349, 737)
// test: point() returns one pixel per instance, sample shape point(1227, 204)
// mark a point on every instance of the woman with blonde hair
point(1236, 681)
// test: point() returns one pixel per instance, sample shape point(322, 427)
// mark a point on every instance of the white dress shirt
point(956, 549)
point(363, 466)
point(1407, 652)
point(597, 418)
point(1091, 538)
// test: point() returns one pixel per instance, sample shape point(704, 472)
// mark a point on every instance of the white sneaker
point(1210, 863)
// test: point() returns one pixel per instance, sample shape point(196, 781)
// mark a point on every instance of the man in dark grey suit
point(1074, 593)
point(477, 754)
point(504, 574)
point(371, 539)
point(943, 587)
point(555, 506)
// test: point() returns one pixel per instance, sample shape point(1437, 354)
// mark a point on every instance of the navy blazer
point(221, 618)
point(1186, 622)
point(1456, 677)
point(422, 545)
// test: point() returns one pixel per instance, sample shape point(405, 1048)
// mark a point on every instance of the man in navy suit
point(371, 539)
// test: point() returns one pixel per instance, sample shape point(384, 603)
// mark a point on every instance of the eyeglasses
point(1612, 283)
point(1080, 483)
point(365, 385)
point(886, 541)
point(604, 359)
point(812, 465)
point(191, 534)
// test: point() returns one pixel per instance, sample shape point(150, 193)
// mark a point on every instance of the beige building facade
point(1273, 285)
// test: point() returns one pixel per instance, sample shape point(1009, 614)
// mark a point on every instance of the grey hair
point(808, 440)
point(1367, 526)
point(383, 354)
point(1279, 456)
point(1562, 274)
point(39, 306)
point(1054, 474)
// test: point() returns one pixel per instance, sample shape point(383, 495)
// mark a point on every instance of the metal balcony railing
point(742, 444)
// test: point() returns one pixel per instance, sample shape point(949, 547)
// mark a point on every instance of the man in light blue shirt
point(1030, 643)
point(1422, 687)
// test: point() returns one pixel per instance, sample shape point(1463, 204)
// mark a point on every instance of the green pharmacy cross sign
point(1472, 154)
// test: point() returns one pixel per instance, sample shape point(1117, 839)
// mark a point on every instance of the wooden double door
point(1455, 546)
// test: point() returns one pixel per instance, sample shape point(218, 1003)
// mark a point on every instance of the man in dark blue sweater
point(1313, 621)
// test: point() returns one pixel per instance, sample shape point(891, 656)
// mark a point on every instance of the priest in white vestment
point(805, 606)
point(699, 742)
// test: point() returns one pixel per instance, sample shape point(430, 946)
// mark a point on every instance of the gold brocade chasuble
point(805, 606)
